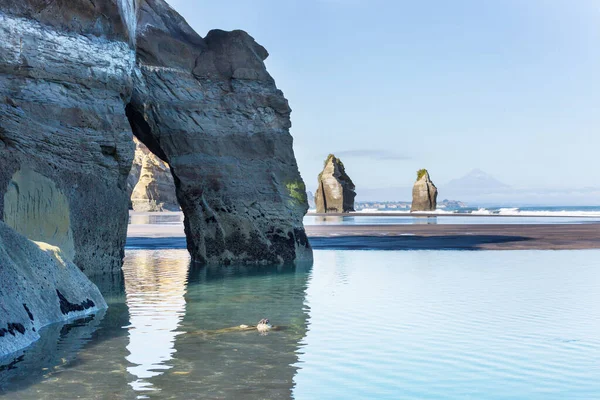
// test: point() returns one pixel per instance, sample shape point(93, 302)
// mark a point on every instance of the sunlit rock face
point(65, 75)
point(209, 108)
point(154, 189)
point(335, 191)
point(38, 286)
point(424, 193)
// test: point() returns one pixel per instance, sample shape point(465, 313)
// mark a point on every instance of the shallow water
point(445, 220)
point(356, 325)
point(176, 219)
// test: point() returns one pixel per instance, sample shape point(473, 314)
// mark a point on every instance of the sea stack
point(424, 193)
point(335, 192)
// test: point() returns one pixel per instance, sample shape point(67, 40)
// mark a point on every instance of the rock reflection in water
point(155, 340)
point(49, 356)
point(155, 287)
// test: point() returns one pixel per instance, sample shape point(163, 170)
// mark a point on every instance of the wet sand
point(466, 237)
point(407, 237)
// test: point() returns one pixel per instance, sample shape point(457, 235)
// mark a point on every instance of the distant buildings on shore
point(404, 205)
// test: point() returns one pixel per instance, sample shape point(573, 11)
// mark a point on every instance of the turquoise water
point(355, 325)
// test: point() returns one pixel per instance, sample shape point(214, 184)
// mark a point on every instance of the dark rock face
point(65, 142)
point(424, 193)
point(208, 107)
point(38, 286)
point(336, 191)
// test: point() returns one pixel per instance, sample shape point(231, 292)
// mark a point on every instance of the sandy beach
point(498, 236)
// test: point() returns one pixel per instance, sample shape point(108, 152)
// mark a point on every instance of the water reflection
point(160, 336)
point(155, 288)
point(49, 356)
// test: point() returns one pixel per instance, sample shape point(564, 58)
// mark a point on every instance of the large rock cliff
point(209, 108)
point(424, 193)
point(38, 286)
point(65, 142)
point(335, 191)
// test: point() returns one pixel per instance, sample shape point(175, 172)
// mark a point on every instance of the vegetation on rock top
point(421, 173)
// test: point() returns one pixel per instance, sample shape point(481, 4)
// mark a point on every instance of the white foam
point(516, 212)
point(482, 211)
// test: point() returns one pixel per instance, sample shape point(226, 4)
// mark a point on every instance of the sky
point(508, 86)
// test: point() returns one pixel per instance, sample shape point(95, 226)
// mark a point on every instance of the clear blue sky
point(508, 86)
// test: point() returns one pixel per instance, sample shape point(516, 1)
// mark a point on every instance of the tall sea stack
point(424, 193)
point(336, 191)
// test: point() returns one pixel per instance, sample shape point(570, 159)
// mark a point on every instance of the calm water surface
point(355, 325)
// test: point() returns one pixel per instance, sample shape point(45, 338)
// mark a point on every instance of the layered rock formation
point(424, 193)
point(38, 286)
point(65, 142)
point(335, 191)
point(154, 189)
point(209, 108)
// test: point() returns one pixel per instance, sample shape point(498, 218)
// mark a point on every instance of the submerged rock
point(38, 286)
point(336, 191)
point(154, 189)
point(424, 193)
point(209, 108)
point(65, 142)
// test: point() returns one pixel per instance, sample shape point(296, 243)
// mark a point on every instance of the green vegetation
point(297, 191)
point(421, 173)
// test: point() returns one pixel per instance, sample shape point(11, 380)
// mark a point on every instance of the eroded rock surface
point(136, 167)
point(155, 189)
point(65, 75)
point(335, 191)
point(38, 286)
point(424, 193)
point(209, 108)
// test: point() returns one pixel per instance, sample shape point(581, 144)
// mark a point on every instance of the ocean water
point(489, 215)
point(354, 325)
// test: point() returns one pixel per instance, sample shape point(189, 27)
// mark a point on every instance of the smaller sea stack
point(424, 193)
point(336, 191)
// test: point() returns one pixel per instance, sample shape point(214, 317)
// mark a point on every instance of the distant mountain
point(476, 181)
